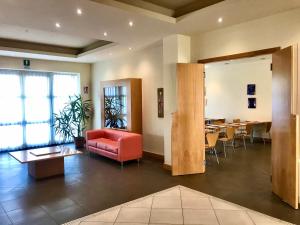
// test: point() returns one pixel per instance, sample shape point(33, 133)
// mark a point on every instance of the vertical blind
point(28, 100)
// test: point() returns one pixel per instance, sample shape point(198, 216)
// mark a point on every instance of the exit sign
point(26, 63)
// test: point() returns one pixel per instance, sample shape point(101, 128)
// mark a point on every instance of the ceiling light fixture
point(130, 48)
point(220, 20)
point(57, 25)
point(105, 34)
point(130, 23)
point(79, 11)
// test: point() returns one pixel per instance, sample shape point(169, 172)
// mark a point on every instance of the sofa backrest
point(115, 134)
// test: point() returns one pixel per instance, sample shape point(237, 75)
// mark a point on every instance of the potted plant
point(113, 113)
point(71, 121)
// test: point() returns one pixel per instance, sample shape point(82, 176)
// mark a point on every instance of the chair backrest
point(268, 127)
point(217, 122)
point(212, 139)
point(230, 132)
point(236, 120)
point(249, 128)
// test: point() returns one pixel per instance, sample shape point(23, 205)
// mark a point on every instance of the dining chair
point(236, 120)
point(229, 138)
point(212, 139)
point(268, 126)
point(247, 133)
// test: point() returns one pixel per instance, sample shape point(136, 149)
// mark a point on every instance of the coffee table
point(45, 162)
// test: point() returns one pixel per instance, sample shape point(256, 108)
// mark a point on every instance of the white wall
point(83, 69)
point(273, 31)
point(145, 64)
point(176, 49)
point(226, 90)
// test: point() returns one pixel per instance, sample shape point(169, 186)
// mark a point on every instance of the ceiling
point(170, 7)
point(34, 21)
point(171, 4)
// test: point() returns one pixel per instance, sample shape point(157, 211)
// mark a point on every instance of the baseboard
point(167, 167)
point(154, 156)
point(157, 157)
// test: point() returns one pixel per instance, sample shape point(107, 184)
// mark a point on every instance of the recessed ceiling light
point(105, 34)
point(130, 23)
point(57, 25)
point(130, 48)
point(220, 20)
point(79, 11)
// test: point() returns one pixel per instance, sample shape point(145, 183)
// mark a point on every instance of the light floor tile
point(165, 208)
point(131, 224)
point(169, 192)
point(134, 215)
point(142, 203)
point(261, 219)
point(196, 203)
point(106, 216)
point(95, 223)
point(168, 216)
point(168, 202)
point(186, 192)
point(196, 216)
point(233, 217)
point(221, 204)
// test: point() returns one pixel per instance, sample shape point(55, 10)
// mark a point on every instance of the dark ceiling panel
point(32, 46)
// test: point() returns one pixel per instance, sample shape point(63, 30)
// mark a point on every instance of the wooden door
point(284, 123)
point(188, 133)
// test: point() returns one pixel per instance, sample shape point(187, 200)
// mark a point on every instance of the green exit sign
point(26, 63)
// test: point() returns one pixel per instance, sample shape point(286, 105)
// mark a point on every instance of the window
point(28, 100)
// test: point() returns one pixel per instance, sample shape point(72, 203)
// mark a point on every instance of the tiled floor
point(178, 205)
point(93, 183)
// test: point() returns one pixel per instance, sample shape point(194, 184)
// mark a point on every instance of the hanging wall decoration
point(160, 102)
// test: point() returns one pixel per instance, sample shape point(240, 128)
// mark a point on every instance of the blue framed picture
point(251, 89)
point(251, 103)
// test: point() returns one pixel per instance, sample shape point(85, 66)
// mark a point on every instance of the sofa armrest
point(130, 146)
point(93, 134)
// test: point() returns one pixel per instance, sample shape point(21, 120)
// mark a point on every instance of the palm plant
point(72, 120)
point(113, 115)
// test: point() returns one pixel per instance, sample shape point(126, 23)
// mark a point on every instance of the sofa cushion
point(108, 145)
point(93, 142)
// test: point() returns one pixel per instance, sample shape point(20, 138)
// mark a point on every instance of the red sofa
point(118, 145)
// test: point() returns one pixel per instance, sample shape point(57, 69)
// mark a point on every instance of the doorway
point(284, 162)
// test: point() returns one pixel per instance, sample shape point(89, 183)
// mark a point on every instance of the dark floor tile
point(28, 216)
point(42, 221)
point(68, 214)
point(4, 220)
point(93, 183)
point(18, 203)
point(54, 206)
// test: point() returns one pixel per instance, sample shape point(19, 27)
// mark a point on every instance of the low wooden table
point(45, 162)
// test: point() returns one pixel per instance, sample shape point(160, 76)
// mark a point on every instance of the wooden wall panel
point(284, 151)
point(188, 133)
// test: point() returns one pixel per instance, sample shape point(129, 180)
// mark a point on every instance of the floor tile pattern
point(178, 205)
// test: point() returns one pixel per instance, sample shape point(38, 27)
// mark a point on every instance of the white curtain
point(27, 102)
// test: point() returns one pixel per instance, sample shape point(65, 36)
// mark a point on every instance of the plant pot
point(79, 142)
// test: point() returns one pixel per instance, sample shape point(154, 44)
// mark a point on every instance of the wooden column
point(188, 132)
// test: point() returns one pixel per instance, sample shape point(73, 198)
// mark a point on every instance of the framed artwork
point(251, 103)
point(160, 102)
point(85, 89)
point(251, 89)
